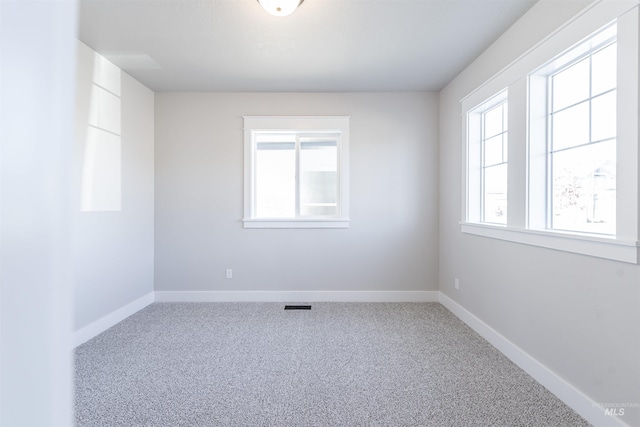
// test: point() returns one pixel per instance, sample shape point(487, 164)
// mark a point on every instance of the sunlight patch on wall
point(101, 177)
point(102, 161)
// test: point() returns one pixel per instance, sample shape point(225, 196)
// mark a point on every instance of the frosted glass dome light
point(280, 7)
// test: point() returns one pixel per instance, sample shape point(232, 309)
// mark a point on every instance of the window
point(487, 164)
point(573, 172)
point(280, 157)
point(296, 173)
point(581, 153)
point(494, 165)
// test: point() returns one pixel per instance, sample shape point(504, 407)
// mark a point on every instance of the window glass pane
point(493, 122)
point(505, 116)
point(571, 127)
point(571, 85)
point(495, 194)
point(318, 178)
point(584, 189)
point(603, 117)
point(493, 151)
point(275, 180)
point(603, 68)
point(505, 147)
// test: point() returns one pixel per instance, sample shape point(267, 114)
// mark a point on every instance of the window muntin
point(582, 140)
point(494, 164)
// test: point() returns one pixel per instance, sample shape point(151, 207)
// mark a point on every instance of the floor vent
point(297, 307)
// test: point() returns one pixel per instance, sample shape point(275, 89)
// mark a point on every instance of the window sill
point(601, 247)
point(296, 223)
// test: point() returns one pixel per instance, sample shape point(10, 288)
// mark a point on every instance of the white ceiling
point(326, 45)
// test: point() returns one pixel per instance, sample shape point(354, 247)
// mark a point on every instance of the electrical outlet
point(456, 283)
point(229, 273)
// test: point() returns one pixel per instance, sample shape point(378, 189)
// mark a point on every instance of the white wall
point(577, 315)
point(114, 250)
point(391, 244)
point(37, 57)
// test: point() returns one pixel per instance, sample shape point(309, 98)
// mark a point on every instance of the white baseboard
point(93, 329)
point(297, 296)
point(571, 396)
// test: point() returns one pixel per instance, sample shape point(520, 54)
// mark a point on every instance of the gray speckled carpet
point(339, 364)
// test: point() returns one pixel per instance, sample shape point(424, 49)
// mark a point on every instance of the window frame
point(538, 98)
point(527, 205)
point(475, 164)
point(302, 126)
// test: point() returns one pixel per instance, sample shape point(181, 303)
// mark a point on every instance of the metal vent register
point(297, 307)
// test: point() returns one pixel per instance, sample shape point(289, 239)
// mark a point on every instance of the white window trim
point(522, 228)
point(297, 123)
point(585, 244)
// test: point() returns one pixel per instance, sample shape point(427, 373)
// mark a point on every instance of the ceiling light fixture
point(280, 7)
